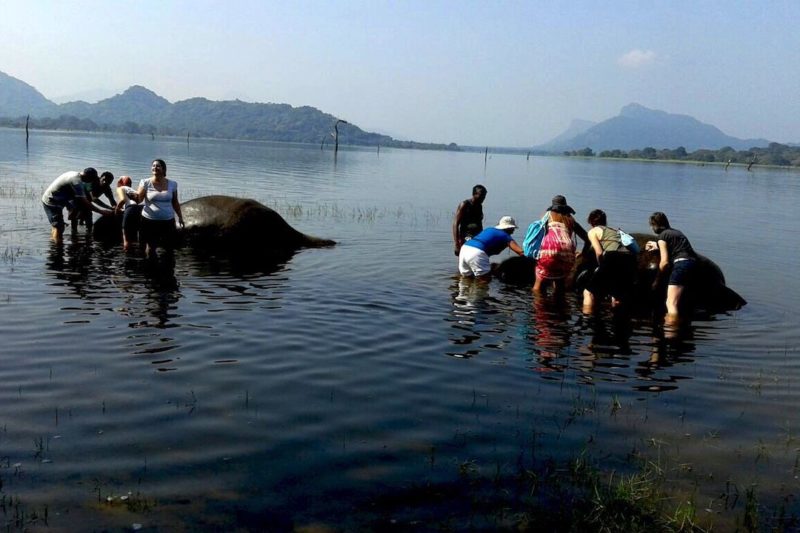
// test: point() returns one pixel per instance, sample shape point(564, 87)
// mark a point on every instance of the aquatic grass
point(583, 493)
point(615, 404)
point(11, 254)
point(19, 516)
point(20, 191)
point(369, 214)
point(750, 518)
point(575, 495)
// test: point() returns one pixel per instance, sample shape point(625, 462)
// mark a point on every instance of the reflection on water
point(557, 338)
point(669, 349)
point(92, 273)
point(550, 333)
point(480, 320)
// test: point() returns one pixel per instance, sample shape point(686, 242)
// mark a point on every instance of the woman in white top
point(160, 197)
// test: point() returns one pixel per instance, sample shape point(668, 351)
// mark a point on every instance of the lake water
point(338, 388)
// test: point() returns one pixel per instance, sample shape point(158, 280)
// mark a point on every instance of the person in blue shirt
point(473, 258)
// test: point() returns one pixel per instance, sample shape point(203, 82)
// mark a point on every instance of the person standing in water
point(676, 252)
point(161, 206)
point(468, 220)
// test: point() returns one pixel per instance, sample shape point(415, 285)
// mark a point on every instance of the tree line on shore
point(776, 154)
point(293, 132)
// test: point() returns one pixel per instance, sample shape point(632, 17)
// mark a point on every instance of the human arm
point(581, 233)
point(177, 206)
point(123, 199)
point(91, 206)
point(663, 263)
point(107, 193)
point(138, 195)
point(516, 248)
point(112, 202)
point(664, 253)
point(457, 240)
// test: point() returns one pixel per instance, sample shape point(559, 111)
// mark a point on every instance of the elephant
point(708, 293)
point(241, 225)
point(238, 227)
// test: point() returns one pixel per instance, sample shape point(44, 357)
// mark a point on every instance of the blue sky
point(491, 73)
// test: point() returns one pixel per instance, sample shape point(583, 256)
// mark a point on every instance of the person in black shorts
point(676, 252)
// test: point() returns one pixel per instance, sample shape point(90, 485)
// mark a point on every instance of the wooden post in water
point(187, 137)
point(528, 157)
point(27, 133)
point(485, 157)
point(379, 149)
point(336, 135)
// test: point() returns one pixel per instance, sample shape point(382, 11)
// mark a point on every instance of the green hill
point(140, 110)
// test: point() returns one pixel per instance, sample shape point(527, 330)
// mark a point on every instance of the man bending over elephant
point(68, 189)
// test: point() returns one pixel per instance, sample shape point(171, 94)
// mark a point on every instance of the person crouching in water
point(473, 258)
point(616, 265)
point(675, 250)
point(132, 212)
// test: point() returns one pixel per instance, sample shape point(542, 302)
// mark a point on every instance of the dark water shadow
point(209, 263)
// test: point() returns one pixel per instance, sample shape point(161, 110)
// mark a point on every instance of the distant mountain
point(136, 104)
point(140, 110)
point(638, 127)
point(18, 99)
point(575, 128)
point(89, 95)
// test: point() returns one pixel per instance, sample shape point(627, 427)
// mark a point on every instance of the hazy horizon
point(474, 73)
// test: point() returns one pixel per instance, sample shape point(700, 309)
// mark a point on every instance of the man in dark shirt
point(80, 213)
point(468, 221)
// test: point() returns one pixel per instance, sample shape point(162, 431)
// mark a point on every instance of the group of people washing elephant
point(555, 257)
point(148, 212)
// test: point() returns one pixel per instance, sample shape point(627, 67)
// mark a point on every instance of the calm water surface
point(212, 398)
